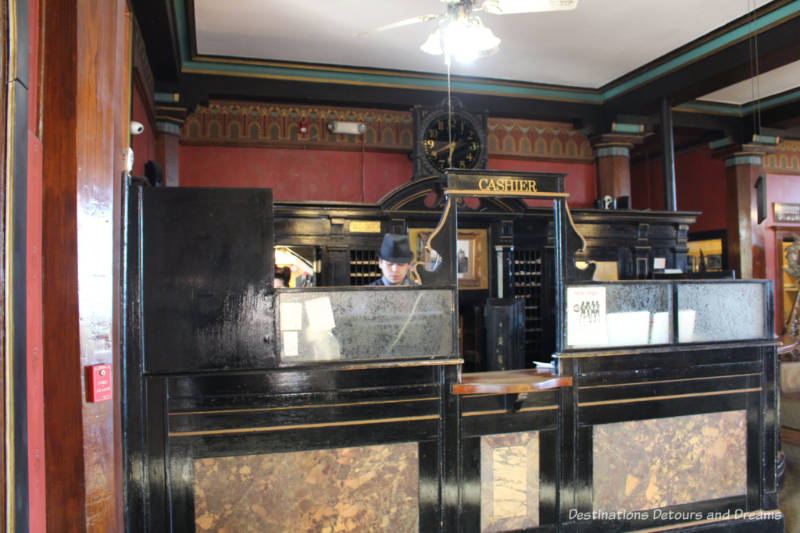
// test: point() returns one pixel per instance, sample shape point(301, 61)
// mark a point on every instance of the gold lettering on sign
point(507, 185)
point(365, 226)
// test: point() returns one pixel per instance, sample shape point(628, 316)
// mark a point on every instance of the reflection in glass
point(357, 324)
point(300, 260)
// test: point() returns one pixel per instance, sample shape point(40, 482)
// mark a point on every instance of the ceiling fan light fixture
point(465, 38)
point(510, 7)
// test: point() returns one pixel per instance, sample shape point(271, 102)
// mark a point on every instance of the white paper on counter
point(586, 316)
point(320, 313)
point(291, 316)
point(289, 339)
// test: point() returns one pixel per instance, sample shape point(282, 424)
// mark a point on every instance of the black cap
point(395, 248)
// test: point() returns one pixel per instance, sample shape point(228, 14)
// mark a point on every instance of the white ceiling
point(588, 47)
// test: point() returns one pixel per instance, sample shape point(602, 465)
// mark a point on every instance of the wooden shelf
point(510, 382)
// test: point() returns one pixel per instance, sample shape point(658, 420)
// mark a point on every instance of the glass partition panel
point(377, 323)
point(721, 311)
point(618, 314)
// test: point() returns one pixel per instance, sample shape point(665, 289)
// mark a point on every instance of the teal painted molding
point(618, 127)
point(743, 160)
point(769, 140)
point(168, 127)
point(735, 110)
point(612, 151)
point(717, 43)
point(719, 143)
point(166, 98)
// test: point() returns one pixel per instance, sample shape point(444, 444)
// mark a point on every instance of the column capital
point(170, 128)
point(170, 117)
point(612, 151)
point(615, 140)
point(746, 153)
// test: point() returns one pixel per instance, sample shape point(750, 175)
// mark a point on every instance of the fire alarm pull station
point(99, 383)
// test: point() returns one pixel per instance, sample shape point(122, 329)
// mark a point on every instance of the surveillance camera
point(136, 128)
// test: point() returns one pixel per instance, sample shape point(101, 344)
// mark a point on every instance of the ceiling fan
point(460, 32)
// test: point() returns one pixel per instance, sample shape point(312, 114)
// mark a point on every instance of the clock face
point(463, 144)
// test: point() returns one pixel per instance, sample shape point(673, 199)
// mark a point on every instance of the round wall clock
point(435, 150)
point(461, 148)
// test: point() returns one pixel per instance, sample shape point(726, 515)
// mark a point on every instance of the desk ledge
point(510, 382)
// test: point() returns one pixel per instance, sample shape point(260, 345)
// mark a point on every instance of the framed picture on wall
point(707, 251)
point(472, 260)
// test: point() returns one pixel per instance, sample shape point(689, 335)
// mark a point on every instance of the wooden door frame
point(13, 267)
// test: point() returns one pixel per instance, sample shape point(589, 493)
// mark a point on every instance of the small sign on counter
point(586, 316)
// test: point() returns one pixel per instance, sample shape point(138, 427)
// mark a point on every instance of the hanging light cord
point(754, 70)
point(449, 114)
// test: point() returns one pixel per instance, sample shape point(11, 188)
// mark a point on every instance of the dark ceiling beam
point(197, 89)
point(785, 116)
point(157, 22)
point(777, 46)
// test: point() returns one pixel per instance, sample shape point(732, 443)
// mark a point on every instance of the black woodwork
point(181, 414)
point(156, 20)
point(630, 238)
point(207, 271)
point(505, 333)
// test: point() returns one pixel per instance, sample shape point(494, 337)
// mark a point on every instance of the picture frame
point(472, 255)
point(713, 245)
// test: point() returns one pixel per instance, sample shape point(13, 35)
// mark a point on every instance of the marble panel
point(370, 488)
point(509, 481)
point(662, 462)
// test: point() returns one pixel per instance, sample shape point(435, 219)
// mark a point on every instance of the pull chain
point(449, 115)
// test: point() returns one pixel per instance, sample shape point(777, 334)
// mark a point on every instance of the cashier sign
point(586, 316)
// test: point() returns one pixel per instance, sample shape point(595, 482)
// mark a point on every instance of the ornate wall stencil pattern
point(662, 462)
point(249, 124)
point(536, 139)
point(785, 159)
point(371, 488)
point(509, 481)
point(254, 124)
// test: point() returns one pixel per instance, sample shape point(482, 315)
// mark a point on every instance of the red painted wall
point(296, 174)
point(144, 144)
point(699, 186)
point(581, 179)
point(334, 175)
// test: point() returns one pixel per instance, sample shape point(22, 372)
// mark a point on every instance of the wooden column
point(85, 129)
point(612, 151)
point(743, 164)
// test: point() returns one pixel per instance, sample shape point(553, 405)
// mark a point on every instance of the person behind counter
point(282, 277)
point(394, 260)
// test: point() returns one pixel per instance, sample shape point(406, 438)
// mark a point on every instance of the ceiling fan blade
point(509, 7)
point(398, 24)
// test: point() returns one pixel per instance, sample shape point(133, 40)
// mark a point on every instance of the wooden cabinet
point(785, 286)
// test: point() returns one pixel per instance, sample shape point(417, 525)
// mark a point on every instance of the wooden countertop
point(510, 382)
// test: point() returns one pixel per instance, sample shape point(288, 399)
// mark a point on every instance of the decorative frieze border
point(275, 124)
point(537, 139)
point(785, 160)
point(253, 124)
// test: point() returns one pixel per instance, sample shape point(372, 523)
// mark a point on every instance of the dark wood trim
point(83, 132)
point(65, 488)
point(157, 21)
point(3, 238)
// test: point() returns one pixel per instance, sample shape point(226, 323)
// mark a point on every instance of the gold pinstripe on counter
point(266, 429)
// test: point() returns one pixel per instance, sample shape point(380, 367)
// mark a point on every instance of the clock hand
point(445, 147)
point(450, 157)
